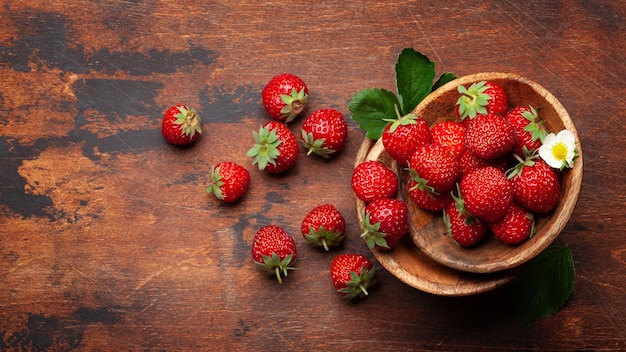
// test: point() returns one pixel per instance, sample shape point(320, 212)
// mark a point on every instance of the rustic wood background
point(108, 241)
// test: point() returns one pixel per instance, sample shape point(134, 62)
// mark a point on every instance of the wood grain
point(109, 242)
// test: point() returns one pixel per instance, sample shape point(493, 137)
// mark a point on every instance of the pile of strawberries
point(275, 150)
point(481, 168)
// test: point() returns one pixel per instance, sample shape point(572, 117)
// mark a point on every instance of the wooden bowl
point(435, 263)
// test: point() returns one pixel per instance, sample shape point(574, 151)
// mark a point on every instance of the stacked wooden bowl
point(432, 262)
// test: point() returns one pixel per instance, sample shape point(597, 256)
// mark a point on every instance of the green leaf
point(370, 108)
point(543, 287)
point(414, 78)
point(443, 79)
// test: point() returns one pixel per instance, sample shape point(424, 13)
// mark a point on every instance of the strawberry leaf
point(414, 78)
point(371, 107)
point(544, 286)
point(443, 79)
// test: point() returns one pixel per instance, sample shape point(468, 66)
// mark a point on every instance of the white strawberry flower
point(559, 150)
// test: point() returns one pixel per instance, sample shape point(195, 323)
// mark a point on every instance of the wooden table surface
point(109, 242)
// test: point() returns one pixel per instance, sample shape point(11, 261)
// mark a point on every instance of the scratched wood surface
point(108, 241)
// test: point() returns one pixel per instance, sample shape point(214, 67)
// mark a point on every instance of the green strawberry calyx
point(189, 120)
point(324, 238)
point(265, 150)
point(535, 125)
point(274, 265)
point(371, 233)
point(294, 104)
point(473, 100)
point(420, 182)
point(358, 284)
point(408, 119)
point(315, 146)
point(528, 159)
point(216, 184)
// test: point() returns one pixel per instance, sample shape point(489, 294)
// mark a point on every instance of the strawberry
point(487, 193)
point(404, 136)
point(229, 181)
point(181, 125)
point(274, 250)
point(352, 275)
point(384, 223)
point(435, 167)
point(481, 98)
point(285, 96)
point(536, 186)
point(276, 148)
point(465, 229)
point(425, 198)
point(373, 180)
point(324, 132)
point(324, 226)
point(449, 134)
point(529, 128)
point(515, 227)
point(490, 136)
point(469, 162)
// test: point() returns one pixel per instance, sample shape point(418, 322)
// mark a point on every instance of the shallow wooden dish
point(490, 256)
point(412, 266)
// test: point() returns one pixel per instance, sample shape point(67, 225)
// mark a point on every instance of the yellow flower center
point(559, 151)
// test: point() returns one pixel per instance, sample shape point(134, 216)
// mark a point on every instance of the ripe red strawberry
point(404, 136)
point(481, 98)
point(324, 132)
point(274, 250)
point(469, 162)
point(515, 227)
point(465, 229)
point(324, 226)
point(181, 125)
point(435, 167)
point(536, 186)
point(285, 96)
point(529, 128)
point(385, 222)
point(490, 136)
point(373, 180)
point(449, 134)
point(425, 198)
point(229, 181)
point(487, 193)
point(352, 275)
point(276, 148)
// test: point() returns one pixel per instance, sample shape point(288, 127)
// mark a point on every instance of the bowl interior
point(490, 255)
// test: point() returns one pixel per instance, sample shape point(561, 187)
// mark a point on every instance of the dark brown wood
point(109, 242)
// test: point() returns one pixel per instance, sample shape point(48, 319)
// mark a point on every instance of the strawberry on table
point(465, 229)
point(324, 226)
point(515, 227)
point(274, 251)
point(385, 222)
point(229, 181)
point(352, 275)
point(487, 193)
point(404, 136)
point(536, 186)
point(276, 148)
point(372, 180)
point(285, 96)
point(433, 166)
point(181, 125)
point(483, 97)
point(490, 136)
point(324, 132)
